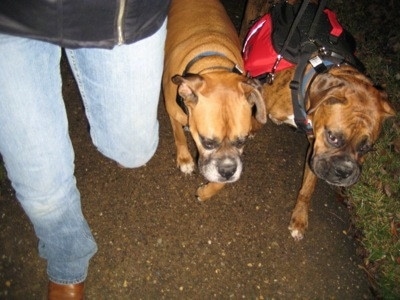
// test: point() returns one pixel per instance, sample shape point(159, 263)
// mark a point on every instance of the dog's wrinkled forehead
point(349, 98)
point(345, 123)
point(221, 110)
point(353, 113)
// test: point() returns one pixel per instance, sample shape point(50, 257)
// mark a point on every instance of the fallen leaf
point(393, 229)
point(388, 190)
point(396, 145)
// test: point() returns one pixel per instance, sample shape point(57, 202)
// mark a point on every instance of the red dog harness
point(262, 45)
point(259, 53)
point(297, 35)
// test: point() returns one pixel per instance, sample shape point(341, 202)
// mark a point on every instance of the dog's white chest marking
point(289, 120)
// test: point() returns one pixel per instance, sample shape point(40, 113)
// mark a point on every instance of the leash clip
point(271, 75)
point(277, 61)
point(322, 50)
point(237, 70)
point(318, 64)
point(270, 78)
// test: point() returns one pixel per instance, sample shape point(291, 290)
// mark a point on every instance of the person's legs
point(38, 155)
point(120, 89)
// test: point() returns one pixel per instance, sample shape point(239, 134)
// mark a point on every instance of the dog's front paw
point(298, 224)
point(185, 163)
point(187, 168)
point(208, 190)
point(296, 234)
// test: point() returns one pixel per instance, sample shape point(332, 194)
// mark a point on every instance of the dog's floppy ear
point(188, 85)
point(322, 85)
point(387, 110)
point(253, 91)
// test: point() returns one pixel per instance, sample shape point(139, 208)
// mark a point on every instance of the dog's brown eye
point(208, 143)
point(333, 139)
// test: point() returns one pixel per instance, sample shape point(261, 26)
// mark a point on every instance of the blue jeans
point(120, 89)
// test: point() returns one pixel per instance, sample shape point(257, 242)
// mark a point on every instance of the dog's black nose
point(341, 173)
point(227, 170)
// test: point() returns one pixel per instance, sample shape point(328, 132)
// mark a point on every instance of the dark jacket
point(83, 23)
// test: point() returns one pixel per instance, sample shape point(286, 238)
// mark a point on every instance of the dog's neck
point(217, 62)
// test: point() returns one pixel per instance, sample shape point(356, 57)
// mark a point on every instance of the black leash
point(296, 21)
point(298, 101)
point(318, 13)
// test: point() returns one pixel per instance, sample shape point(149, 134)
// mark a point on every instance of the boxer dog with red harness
point(312, 81)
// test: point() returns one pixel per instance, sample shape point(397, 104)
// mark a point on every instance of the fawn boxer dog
point(204, 89)
point(343, 114)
